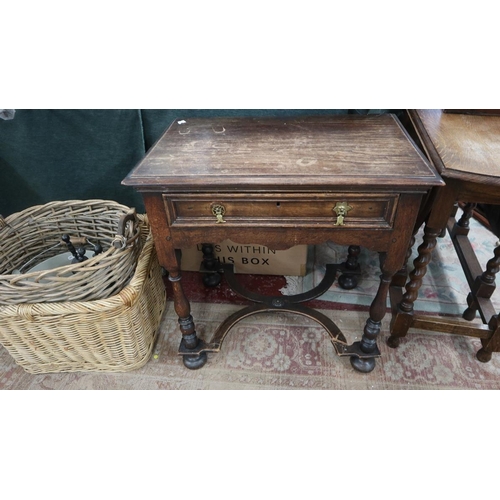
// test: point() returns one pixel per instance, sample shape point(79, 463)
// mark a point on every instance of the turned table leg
point(371, 331)
point(401, 321)
point(463, 224)
point(190, 341)
point(210, 265)
point(484, 286)
point(191, 345)
point(492, 344)
point(399, 279)
point(349, 279)
point(402, 318)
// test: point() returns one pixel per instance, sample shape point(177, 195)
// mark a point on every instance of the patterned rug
point(282, 351)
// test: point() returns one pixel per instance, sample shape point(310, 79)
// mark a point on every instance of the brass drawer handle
point(341, 209)
point(219, 211)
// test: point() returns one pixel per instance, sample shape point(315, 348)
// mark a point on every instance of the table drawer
point(349, 210)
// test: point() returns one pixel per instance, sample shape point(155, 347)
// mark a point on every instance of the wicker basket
point(29, 237)
point(116, 334)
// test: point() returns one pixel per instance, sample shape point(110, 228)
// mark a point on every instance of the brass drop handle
point(341, 209)
point(219, 211)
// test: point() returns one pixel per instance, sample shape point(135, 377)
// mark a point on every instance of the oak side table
point(464, 147)
point(351, 179)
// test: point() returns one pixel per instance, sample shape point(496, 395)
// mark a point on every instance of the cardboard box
point(251, 259)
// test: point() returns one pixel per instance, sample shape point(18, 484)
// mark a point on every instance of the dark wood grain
point(317, 152)
point(465, 143)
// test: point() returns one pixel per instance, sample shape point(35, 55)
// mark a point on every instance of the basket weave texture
point(33, 235)
point(115, 334)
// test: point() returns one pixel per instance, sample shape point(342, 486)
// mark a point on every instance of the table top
point(309, 152)
point(464, 143)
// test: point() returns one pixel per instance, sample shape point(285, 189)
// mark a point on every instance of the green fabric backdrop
point(49, 155)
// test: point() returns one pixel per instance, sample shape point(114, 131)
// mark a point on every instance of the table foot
point(393, 341)
point(195, 362)
point(360, 360)
point(363, 365)
point(193, 358)
point(212, 279)
point(348, 281)
point(469, 314)
point(483, 355)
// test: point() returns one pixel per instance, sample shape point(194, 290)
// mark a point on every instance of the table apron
point(276, 238)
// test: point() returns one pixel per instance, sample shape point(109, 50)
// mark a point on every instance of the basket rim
point(53, 285)
point(94, 264)
point(61, 203)
point(127, 296)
